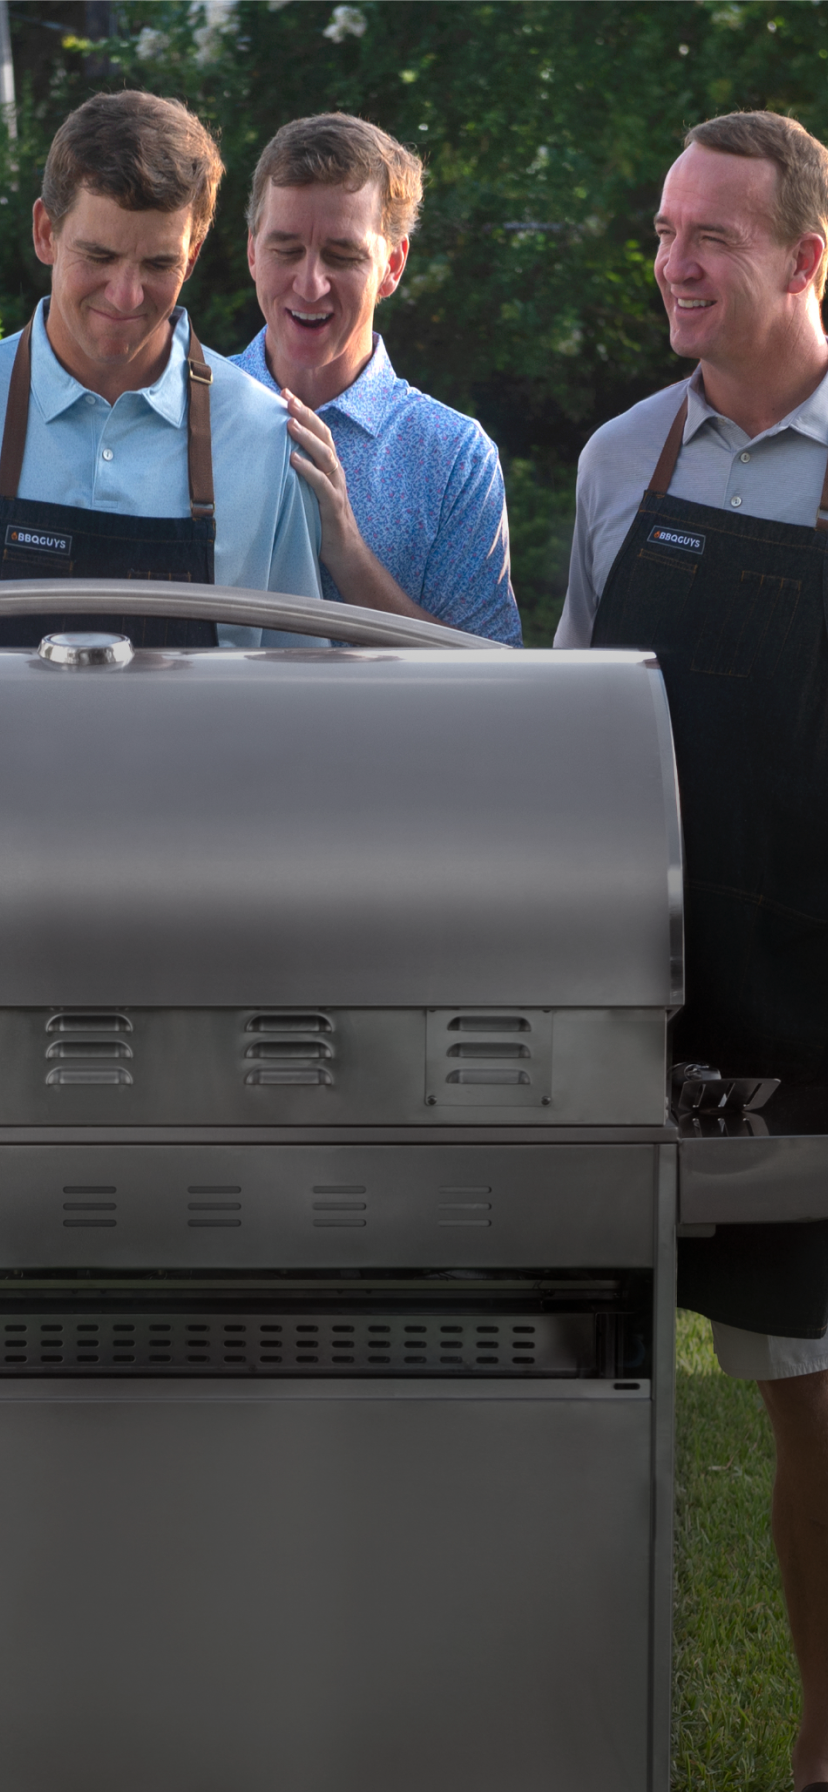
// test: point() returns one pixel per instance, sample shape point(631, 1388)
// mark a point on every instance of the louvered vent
point(313, 1344)
point(489, 1058)
point(289, 1049)
point(86, 1048)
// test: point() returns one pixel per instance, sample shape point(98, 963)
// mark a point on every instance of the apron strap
point(666, 465)
point(199, 439)
point(17, 417)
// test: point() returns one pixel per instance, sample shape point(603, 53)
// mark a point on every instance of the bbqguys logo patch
point(41, 541)
point(675, 538)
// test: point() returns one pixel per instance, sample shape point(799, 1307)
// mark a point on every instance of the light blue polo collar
point(55, 390)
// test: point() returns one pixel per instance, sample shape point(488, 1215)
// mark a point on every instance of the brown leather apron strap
point(666, 464)
point(199, 438)
point(17, 417)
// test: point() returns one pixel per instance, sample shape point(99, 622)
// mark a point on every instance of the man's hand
point(318, 464)
point(357, 573)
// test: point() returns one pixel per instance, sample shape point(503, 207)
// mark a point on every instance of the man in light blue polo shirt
point(410, 492)
point(128, 451)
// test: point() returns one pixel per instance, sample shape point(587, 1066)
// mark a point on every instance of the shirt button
point(108, 455)
point(745, 456)
point(90, 398)
point(734, 501)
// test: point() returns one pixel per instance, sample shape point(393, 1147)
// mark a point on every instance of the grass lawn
point(735, 1687)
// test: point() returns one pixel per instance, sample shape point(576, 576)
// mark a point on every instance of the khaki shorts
point(756, 1356)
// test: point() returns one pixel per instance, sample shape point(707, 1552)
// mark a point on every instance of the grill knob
point(87, 650)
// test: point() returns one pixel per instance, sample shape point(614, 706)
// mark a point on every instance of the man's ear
point(397, 259)
point(808, 254)
point(43, 233)
point(192, 257)
point(251, 253)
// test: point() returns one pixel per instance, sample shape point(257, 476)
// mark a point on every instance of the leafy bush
point(541, 503)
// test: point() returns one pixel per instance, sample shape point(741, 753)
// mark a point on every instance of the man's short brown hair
point(146, 153)
point(802, 163)
point(338, 150)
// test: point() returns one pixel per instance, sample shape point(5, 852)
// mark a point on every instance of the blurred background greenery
point(547, 126)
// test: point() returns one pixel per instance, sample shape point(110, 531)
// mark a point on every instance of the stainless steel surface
point(214, 603)
point(675, 850)
point(763, 1167)
point(338, 829)
point(131, 1207)
point(331, 1067)
point(736, 1181)
point(663, 1423)
point(336, 1216)
point(86, 650)
point(385, 1585)
point(410, 1339)
point(484, 1060)
point(701, 1089)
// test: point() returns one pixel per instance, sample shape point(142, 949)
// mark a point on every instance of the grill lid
point(352, 828)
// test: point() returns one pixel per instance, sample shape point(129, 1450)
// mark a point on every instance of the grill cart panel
point(337, 1208)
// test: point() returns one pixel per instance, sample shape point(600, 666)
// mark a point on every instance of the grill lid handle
point(248, 609)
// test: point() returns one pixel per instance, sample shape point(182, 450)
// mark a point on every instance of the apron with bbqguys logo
point(41, 540)
point(735, 609)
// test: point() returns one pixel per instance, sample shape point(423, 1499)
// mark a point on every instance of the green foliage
point(735, 1685)
point(541, 501)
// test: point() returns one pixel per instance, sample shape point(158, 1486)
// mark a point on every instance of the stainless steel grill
point(337, 1201)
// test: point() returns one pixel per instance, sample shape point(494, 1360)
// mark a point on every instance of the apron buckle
point(200, 371)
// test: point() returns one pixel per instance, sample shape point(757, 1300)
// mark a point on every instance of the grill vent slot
point(322, 1344)
point(491, 1060)
point(81, 1022)
point(87, 1055)
point(489, 1023)
point(501, 1077)
point(293, 1051)
point(289, 1023)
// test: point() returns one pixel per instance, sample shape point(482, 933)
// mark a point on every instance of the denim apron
point(41, 540)
point(736, 609)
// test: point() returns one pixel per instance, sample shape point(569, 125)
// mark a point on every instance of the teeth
point(694, 304)
point(312, 317)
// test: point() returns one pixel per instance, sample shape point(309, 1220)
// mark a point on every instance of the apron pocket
point(746, 635)
point(34, 566)
point(658, 589)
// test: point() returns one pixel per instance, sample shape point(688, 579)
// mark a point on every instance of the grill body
point(337, 1203)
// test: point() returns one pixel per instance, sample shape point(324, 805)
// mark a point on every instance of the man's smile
point(310, 320)
point(694, 304)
